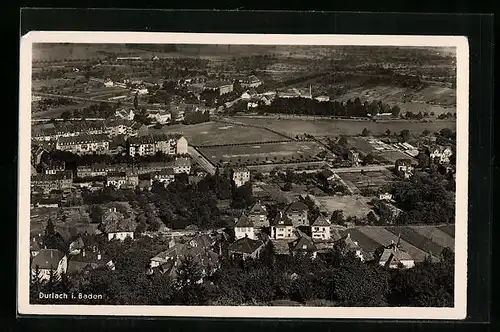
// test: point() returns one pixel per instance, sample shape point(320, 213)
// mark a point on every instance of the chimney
point(99, 256)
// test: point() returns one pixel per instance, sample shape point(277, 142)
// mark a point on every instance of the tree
point(51, 239)
point(337, 217)
point(368, 159)
point(447, 132)
point(189, 275)
point(66, 115)
point(365, 132)
point(423, 160)
point(287, 186)
point(395, 111)
point(371, 218)
point(405, 135)
point(136, 100)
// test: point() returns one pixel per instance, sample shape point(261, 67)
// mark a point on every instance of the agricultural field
point(214, 133)
point(389, 154)
point(57, 111)
point(368, 180)
point(355, 205)
point(335, 127)
point(418, 241)
point(264, 152)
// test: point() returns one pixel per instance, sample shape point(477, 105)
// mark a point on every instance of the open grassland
point(366, 180)
point(264, 152)
point(448, 229)
point(355, 205)
point(214, 133)
point(335, 127)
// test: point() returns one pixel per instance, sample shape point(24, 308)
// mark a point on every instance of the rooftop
point(321, 221)
point(244, 221)
point(47, 259)
point(80, 139)
point(296, 207)
point(245, 246)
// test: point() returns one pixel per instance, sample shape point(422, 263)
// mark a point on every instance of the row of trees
point(306, 106)
point(336, 278)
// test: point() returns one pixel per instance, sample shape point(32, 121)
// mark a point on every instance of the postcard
point(243, 175)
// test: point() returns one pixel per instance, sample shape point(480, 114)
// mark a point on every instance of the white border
point(462, 61)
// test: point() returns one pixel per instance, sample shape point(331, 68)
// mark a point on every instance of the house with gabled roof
point(282, 227)
point(303, 245)
point(352, 245)
point(392, 256)
point(297, 212)
point(244, 227)
point(88, 259)
point(258, 215)
point(246, 248)
point(49, 262)
point(251, 81)
point(116, 226)
point(320, 228)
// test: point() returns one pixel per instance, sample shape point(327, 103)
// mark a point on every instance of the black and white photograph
point(233, 175)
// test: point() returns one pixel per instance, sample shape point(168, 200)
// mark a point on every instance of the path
point(201, 160)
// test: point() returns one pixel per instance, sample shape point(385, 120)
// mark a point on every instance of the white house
point(116, 226)
point(322, 98)
point(394, 257)
point(124, 114)
point(385, 197)
point(49, 261)
point(244, 228)
point(241, 176)
point(109, 83)
point(282, 227)
point(442, 154)
point(320, 228)
point(258, 215)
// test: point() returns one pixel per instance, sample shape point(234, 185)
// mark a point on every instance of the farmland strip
point(436, 235)
point(418, 240)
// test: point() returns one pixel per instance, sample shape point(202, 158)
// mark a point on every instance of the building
point(49, 262)
point(96, 169)
point(244, 227)
point(351, 245)
point(328, 175)
point(198, 248)
point(84, 144)
point(122, 179)
point(246, 248)
point(303, 245)
point(88, 259)
point(240, 176)
point(251, 81)
point(48, 182)
point(141, 91)
point(53, 166)
point(149, 145)
point(408, 149)
point(165, 176)
point(258, 215)
point(404, 168)
point(221, 87)
point(322, 98)
point(160, 116)
point(182, 165)
point(385, 197)
point(353, 157)
point(297, 213)
point(116, 226)
point(393, 257)
point(441, 154)
point(124, 114)
point(320, 228)
point(282, 227)
point(117, 127)
point(387, 211)
point(109, 83)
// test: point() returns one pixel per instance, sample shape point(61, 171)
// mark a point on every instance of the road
point(201, 160)
point(374, 168)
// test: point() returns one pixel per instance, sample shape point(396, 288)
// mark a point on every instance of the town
point(229, 179)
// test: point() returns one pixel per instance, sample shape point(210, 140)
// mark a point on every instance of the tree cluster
point(306, 106)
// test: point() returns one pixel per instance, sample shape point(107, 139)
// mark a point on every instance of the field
point(263, 153)
point(418, 241)
point(372, 180)
point(335, 127)
point(214, 133)
point(351, 205)
point(440, 99)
